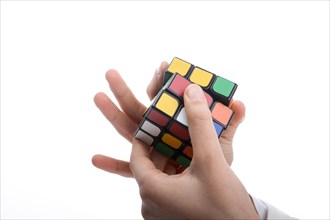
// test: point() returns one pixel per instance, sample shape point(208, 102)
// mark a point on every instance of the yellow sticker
point(167, 104)
point(201, 77)
point(179, 66)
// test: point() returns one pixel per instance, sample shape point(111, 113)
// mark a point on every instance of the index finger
point(125, 97)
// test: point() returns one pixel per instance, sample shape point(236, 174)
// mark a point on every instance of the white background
point(53, 59)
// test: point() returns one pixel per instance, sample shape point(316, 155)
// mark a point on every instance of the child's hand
point(207, 189)
point(127, 121)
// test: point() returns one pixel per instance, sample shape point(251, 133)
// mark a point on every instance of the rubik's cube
point(164, 125)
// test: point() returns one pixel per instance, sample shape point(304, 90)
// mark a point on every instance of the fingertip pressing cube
point(164, 125)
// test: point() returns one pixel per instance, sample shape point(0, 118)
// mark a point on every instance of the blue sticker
point(218, 128)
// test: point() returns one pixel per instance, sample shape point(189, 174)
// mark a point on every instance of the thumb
point(201, 129)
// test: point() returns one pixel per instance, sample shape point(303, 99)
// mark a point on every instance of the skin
point(207, 189)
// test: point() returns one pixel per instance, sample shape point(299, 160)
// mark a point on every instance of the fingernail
point(194, 92)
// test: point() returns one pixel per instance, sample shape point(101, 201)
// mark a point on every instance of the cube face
point(164, 125)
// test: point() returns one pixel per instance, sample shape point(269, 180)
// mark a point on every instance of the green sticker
point(223, 86)
point(164, 149)
point(185, 162)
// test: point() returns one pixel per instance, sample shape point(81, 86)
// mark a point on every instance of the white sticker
point(144, 137)
point(182, 117)
point(150, 128)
